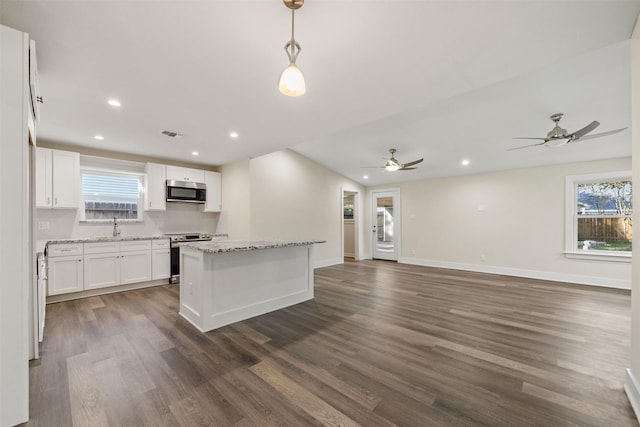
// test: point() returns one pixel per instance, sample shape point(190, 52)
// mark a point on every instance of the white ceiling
point(443, 80)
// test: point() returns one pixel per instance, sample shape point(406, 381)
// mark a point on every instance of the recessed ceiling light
point(365, 177)
point(98, 137)
point(233, 134)
point(195, 153)
point(114, 103)
point(465, 162)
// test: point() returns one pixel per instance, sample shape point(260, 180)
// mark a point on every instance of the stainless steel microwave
point(186, 191)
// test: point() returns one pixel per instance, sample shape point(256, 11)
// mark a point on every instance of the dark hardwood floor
point(381, 344)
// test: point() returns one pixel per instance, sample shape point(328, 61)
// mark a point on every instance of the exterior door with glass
point(386, 224)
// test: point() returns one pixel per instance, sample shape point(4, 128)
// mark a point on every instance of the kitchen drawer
point(101, 247)
point(135, 245)
point(160, 244)
point(64, 249)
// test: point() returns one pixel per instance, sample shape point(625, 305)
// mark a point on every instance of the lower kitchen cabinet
point(135, 267)
point(161, 264)
point(66, 274)
point(101, 270)
point(79, 267)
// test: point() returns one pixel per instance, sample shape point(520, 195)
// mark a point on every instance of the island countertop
point(222, 246)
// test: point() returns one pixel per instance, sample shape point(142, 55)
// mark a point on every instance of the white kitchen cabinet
point(135, 261)
point(116, 263)
point(160, 259)
point(44, 176)
point(135, 266)
point(66, 179)
point(214, 192)
point(101, 270)
point(178, 173)
point(101, 264)
point(65, 274)
point(156, 183)
point(57, 179)
point(65, 266)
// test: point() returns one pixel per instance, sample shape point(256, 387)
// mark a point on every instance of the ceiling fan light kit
point(291, 80)
point(558, 136)
point(393, 165)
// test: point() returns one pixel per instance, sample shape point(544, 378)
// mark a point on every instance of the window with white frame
point(599, 215)
point(107, 195)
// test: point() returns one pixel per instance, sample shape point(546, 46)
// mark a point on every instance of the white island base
point(221, 283)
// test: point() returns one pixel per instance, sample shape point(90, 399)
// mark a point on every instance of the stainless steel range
point(176, 240)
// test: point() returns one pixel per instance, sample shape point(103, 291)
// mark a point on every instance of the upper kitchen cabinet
point(214, 192)
point(178, 173)
point(156, 183)
point(57, 179)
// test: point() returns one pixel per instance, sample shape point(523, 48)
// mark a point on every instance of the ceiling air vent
point(172, 134)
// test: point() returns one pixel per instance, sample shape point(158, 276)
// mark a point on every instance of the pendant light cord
point(293, 16)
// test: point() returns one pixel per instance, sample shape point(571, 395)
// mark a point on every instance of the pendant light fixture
point(291, 79)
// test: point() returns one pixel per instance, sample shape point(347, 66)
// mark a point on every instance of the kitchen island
point(228, 281)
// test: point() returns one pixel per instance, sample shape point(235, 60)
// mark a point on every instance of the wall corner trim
point(517, 272)
point(632, 388)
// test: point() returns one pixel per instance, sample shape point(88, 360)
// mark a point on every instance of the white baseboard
point(327, 262)
point(532, 274)
point(632, 388)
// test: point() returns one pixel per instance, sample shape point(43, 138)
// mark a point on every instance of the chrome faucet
point(116, 230)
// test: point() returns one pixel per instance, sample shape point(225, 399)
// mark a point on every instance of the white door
point(386, 224)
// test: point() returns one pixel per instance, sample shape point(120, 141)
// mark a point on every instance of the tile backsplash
point(179, 217)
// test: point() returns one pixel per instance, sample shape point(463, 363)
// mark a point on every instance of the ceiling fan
point(393, 165)
point(557, 136)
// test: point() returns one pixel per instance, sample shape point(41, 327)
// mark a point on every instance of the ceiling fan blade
point(527, 146)
point(526, 137)
point(415, 162)
point(406, 169)
point(598, 135)
point(585, 130)
point(371, 167)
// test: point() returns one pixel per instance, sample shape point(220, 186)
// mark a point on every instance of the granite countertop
point(105, 239)
point(222, 246)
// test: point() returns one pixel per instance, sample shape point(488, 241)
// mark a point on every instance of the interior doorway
point(386, 224)
point(350, 220)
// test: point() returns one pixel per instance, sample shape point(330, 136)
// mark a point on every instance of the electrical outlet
point(483, 257)
point(413, 251)
point(43, 225)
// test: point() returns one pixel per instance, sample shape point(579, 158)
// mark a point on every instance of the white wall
point(292, 196)
point(16, 257)
point(236, 192)
point(632, 386)
point(509, 222)
point(285, 195)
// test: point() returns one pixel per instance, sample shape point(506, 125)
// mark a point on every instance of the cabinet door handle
point(55, 201)
point(80, 260)
point(48, 200)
